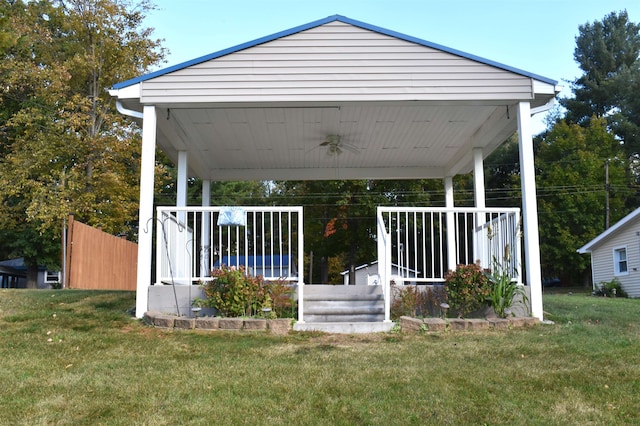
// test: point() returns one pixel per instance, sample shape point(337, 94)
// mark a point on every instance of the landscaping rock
point(409, 324)
point(530, 321)
point(458, 324)
point(184, 323)
point(435, 324)
point(230, 323)
point(517, 321)
point(207, 323)
point(477, 324)
point(255, 324)
point(149, 317)
point(280, 326)
point(164, 321)
point(498, 323)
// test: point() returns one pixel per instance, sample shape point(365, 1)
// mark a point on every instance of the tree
point(340, 216)
point(608, 52)
point(65, 148)
point(572, 195)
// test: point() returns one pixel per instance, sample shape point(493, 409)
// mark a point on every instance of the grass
point(77, 357)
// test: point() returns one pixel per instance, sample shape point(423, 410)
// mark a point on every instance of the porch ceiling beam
point(496, 128)
point(354, 173)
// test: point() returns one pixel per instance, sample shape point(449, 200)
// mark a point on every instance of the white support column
point(530, 209)
point(181, 184)
point(478, 178)
point(145, 226)
point(451, 226)
point(206, 251)
point(182, 263)
point(480, 202)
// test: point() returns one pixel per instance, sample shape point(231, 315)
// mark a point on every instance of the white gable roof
point(402, 107)
point(616, 229)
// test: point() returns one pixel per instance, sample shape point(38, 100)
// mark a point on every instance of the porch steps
point(345, 327)
point(343, 309)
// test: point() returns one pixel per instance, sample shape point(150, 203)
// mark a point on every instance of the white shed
point(616, 254)
point(368, 274)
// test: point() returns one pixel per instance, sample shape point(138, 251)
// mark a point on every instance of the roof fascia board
point(604, 235)
point(126, 92)
point(318, 23)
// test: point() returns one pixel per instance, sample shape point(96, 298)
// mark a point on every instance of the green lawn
point(76, 357)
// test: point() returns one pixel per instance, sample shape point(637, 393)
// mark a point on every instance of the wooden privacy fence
point(99, 261)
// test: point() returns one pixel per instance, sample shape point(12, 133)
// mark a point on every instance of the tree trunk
point(324, 270)
point(32, 276)
point(353, 249)
point(587, 278)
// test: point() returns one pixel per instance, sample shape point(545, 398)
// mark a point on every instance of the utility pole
point(607, 189)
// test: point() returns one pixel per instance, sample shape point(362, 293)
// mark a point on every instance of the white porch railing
point(423, 243)
point(431, 241)
point(191, 241)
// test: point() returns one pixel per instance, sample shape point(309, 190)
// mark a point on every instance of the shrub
point(282, 298)
point(433, 298)
point(404, 301)
point(416, 301)
point(233, 293)
point(467, 289)
point(610, 289)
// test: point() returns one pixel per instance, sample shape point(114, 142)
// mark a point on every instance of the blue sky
point(534, 35)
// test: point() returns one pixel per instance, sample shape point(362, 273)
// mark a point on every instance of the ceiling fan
point(335, 146)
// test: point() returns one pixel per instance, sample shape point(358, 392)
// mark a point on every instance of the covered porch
point(338, 99)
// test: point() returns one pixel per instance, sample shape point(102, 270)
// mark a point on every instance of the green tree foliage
point(571, 193)
point(502, 175)
point(64, 147)
point(608, 52)
point(340, 216)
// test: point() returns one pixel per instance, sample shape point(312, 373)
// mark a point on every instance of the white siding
point(603, 261)
point(337, 62)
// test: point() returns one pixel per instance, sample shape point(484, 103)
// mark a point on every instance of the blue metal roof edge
point(445, 49)
point(318, 23)
point(226, 51)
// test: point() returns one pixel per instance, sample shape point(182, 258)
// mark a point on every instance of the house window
point(52, 277)
point(620, 261)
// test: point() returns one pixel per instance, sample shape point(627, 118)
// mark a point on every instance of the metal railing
point(191, 241)
point(425, 243)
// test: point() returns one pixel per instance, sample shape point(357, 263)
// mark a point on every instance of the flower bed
point(280, 326)
point(416, 325)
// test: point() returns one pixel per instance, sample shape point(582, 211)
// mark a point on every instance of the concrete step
point(342, 292)
point(344, 327)
point(344, 318)
point(342, 307)
point(343, 304)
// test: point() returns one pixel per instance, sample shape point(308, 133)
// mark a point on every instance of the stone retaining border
point(416, 325)
point(280, 326)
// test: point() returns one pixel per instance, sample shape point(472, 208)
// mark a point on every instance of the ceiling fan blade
point(352, 149)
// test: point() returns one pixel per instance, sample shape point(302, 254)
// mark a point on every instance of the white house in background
point(616, 254)
point(368, 274)
point(13, 274)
